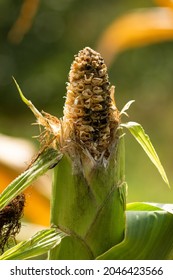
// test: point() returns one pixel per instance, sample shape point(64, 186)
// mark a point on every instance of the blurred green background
point(40, 62)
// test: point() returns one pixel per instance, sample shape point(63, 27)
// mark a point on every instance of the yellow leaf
point(138, 28)
point(165, 3)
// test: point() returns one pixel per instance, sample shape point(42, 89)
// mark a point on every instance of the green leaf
point(149, 236)
point(141, 206)
point(39, 244)
point(143, 139)
point(44, 162)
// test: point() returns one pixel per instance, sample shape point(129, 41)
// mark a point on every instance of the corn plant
point(90, 218)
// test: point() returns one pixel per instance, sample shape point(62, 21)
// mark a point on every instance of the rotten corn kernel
point(90, 115)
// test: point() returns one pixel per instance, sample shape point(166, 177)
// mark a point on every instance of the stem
point(89, 206)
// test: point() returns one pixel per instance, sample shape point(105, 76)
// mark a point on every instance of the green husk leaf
point(89, 206)
point(143, 139)
point(44, 162)
point(149, 236)
point(39, 244)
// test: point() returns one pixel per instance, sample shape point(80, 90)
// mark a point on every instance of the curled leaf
point(143, 139)
point(126, 107)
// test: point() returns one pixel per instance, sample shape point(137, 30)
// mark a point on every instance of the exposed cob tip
point(90, 115)
point(90, 118)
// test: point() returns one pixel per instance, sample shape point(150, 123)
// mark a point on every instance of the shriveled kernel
point(87, 93)
point(97, 107)
point(102, 72)
point(97, 98)
point(84, 135)
point(86, 128)
point(97, 89)
point(97, 81)
point(87, 59)
point(80, 87)
point(77, 111)
point(87, 103)
point(88, 78)
point(79, 102)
